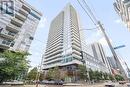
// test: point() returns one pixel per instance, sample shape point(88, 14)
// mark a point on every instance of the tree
point(63, 75)
point(82, 72)
point(49, 74)
point(14, 65)
point(111, 77)
point(53, 74)
point(119, 78)
point(56, 73)
point(97, 75)
point(42, 76)
point(32, 74)
point(91, 74)
point(106, 76)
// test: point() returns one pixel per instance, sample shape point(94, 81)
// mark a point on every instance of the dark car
point(58, 82)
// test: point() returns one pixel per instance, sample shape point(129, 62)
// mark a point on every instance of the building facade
point(64, 45)
point(112, 62)
point(18, 24)
point(122, 7)
point(121, 64)
point(95, 57)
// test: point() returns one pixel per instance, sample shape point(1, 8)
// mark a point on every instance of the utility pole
point(118, 64)
point(39, 72)
point(96, 22)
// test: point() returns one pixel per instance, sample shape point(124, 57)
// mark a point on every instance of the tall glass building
point(64, 42)
point(96, 58)
point(66, 47)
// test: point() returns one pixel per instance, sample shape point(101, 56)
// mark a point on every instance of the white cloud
point(99, 33)
point(94, 37)
point(103, 41)
point(118, 21)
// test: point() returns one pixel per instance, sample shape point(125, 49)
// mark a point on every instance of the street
point(81, 85)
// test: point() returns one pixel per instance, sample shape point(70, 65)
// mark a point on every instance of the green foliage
point(49, 75)
point(32, 74)
point(14, 65)
point(97, 76)
point(106, 76)
point(56, 73)
point(111, 77)
point(119, 78)
point(53, 74)
point(42, 76)
point(91, 74)
point(82, 72)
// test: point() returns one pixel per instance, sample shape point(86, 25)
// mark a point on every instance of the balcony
point(46, 66)
point(26, 8)
point(8, 35)
point(53, 57)
point(12, 28)
point(77, 56)
point(76, 52)
point(17, 22)
point(20, 17)
point(54, 60)
point(23, 12)
point(6, 44)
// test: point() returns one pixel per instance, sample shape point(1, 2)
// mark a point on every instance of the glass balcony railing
point(12, 27)
point(23, 12)
point(7, 34)
point(6, 44)
point(20, 16)
point(17, 22)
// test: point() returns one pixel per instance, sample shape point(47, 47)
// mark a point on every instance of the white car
point(15, 82)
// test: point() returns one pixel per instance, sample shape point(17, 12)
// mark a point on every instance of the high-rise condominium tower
point(122, 7)
point(95, 57)
point(18, 23)
point(64, 42)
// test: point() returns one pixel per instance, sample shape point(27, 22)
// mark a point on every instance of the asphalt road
point(97, 85)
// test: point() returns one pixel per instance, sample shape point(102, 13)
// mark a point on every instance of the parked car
point(15, 82)
point(58, 82)
point(53, 82)
point(44, 82)
point(122, 82)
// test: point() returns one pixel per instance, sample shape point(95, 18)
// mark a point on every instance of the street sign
point(121, 46)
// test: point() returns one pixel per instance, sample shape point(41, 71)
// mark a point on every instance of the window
point(31, 38)
point(35, 16)
point(12, 44)
point(7, 7)
point(1, 29)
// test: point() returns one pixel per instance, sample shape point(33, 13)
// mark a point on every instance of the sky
point(103, 10)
